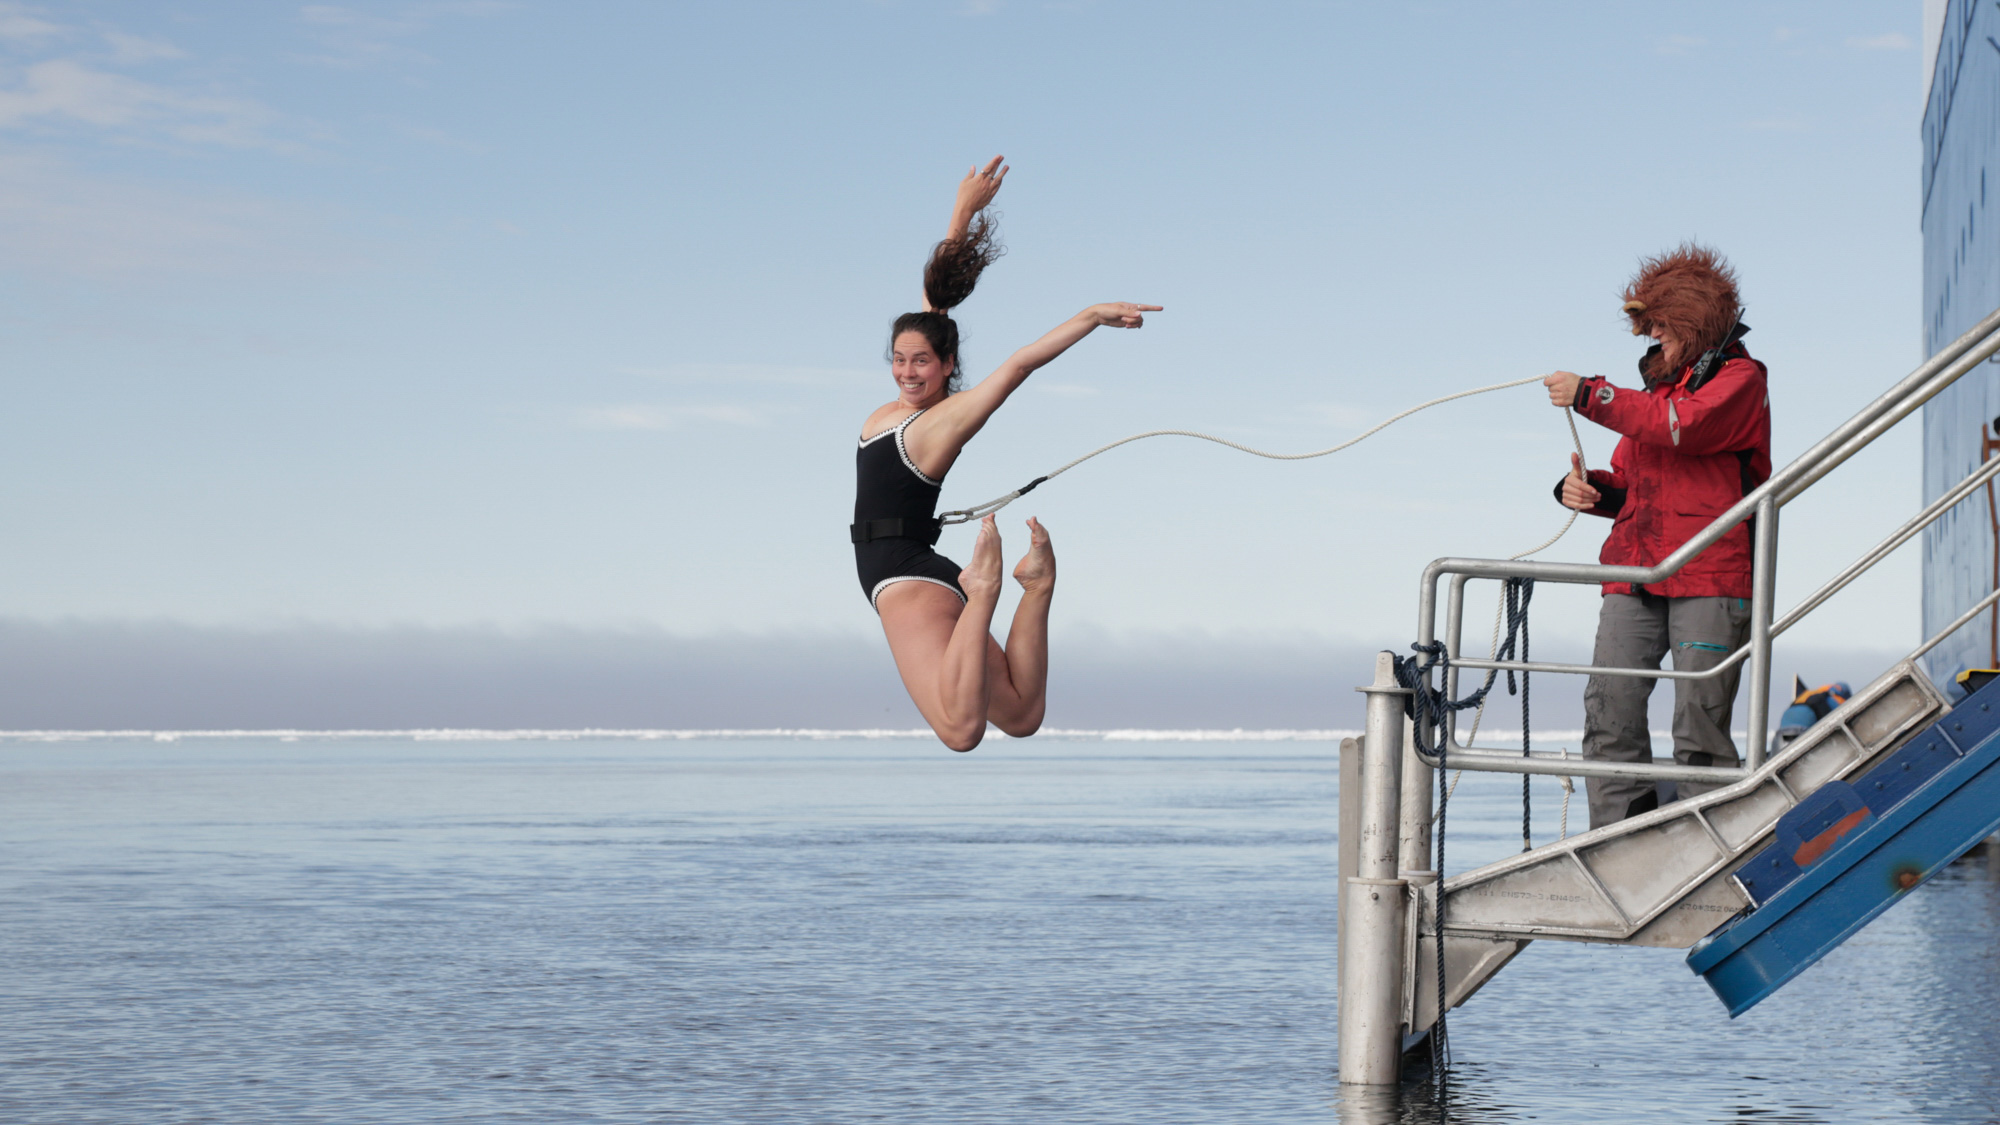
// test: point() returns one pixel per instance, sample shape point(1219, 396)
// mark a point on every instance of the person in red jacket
point(1695, 439)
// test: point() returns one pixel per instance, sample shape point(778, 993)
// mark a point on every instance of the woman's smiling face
point(920, 376)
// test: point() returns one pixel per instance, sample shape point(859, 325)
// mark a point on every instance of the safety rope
point(1440, 1049)
point(1431, 710)
point(981, 511)
point(1569, 788)
point(1440, 1033)
point(1493, 648)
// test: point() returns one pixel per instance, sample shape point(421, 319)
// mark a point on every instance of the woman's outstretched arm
point(975, 193)
point(936, 438)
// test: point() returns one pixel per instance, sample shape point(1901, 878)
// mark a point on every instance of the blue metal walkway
point(1851, 850)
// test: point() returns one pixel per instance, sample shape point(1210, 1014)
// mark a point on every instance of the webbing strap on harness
point(895, 527)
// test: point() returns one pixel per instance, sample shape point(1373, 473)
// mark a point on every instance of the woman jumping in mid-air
point(936, 615)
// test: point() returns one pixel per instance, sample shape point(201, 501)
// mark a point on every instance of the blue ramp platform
point(1852, 849)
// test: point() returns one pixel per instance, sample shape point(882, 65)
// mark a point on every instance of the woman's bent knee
point(962, 739)
point(1019, 728)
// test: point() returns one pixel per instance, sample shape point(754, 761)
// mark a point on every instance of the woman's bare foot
point(1037, 568)
point(981, 576)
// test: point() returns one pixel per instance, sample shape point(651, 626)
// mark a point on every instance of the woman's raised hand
point(977, 190)
point(1120, 314)
point(1562, 387)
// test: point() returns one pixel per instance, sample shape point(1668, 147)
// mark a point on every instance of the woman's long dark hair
point(949, 277)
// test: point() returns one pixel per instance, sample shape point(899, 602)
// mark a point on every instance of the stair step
point(1855, 848)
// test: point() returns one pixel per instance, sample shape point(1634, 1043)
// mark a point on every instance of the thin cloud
point(58, 92)
point(132, 48)
point(83, 675)
point(1679, 44)
point(58, 220)
point(19, 23)
point(83, 89)
point(436, 138)
point(1892, 41)
point(329, 15)
point(1067, 390)
point(766, 373)
point(354, 39)
point(645, 416)
point(1341, 414)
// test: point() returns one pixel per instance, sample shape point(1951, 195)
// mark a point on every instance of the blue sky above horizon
point(533, 314)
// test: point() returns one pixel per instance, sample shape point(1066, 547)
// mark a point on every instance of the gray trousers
point(1635, 631)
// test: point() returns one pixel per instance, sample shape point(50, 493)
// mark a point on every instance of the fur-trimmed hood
point(1686, 299)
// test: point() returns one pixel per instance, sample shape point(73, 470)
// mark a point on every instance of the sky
point(534, 320)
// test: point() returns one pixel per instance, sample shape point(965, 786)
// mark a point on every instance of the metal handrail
point(1492, 759)
point(1930, 378)
point(1931, 514)
point(1963, 620)
point(1913, 391)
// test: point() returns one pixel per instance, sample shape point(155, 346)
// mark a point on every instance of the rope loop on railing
point(1430, 706)
point(1430, 709)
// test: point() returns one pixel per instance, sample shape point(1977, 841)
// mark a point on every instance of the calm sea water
point(856, 931)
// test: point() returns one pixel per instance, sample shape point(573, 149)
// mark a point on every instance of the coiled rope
point(981, 511)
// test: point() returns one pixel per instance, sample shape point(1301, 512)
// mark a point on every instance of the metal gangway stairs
point(1761, 877)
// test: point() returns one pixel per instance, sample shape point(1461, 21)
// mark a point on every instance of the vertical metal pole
point(1349, 834)
point(1763, 582)
point(1372, 904)
point(1414, 849)
point(1989, 444)
point(1454, 639)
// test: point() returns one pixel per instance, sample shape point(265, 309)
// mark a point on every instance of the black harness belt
point(925, 531)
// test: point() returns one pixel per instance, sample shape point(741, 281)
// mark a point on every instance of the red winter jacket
point(1686, 457)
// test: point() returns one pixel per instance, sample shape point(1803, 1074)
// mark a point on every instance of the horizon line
point(799, 734)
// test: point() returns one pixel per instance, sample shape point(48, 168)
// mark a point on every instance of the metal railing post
point(1763, 578)
point(1414, 851)
point(1349, 837)
point(1373, 900)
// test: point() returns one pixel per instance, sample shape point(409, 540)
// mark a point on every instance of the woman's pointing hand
point(1121, 314)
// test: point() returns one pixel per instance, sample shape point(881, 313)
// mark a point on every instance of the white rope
point(1569, 787)
point(981, 511)
point(1569, 416)
point(1493, 649)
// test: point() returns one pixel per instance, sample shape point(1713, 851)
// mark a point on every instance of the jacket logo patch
point(1605, 394)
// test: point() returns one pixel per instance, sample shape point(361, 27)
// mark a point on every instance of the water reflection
point(1369, 1105)
point(1464, 1096)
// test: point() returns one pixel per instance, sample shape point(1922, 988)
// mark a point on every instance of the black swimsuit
point(894, 520)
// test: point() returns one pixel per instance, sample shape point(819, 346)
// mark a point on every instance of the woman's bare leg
point(1020, 672)
point(941, 646)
